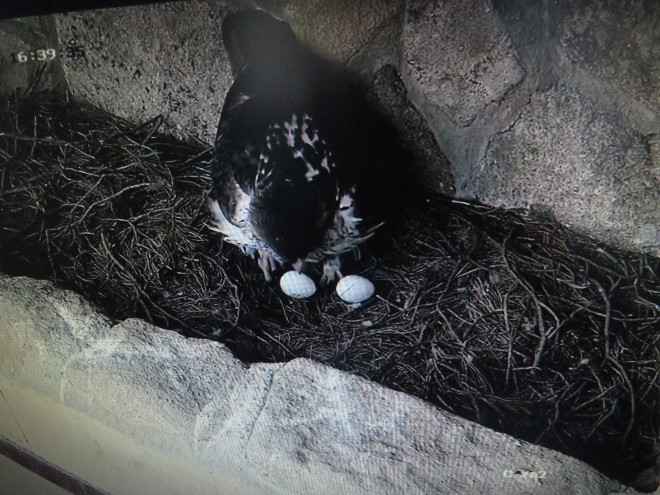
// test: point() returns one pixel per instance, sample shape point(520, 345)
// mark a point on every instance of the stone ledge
point(132, 408)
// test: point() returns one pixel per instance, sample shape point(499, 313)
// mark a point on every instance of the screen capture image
point(330, 247)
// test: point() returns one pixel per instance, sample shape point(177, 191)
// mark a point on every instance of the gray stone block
point(457, 57)
point(338, 433)
point(157, 377)
point(389, 95)
point(595, 174)
point(362, 35)
point(144, 61)
point(619, 44)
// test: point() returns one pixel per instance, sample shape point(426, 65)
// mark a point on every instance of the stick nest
point(507, 320)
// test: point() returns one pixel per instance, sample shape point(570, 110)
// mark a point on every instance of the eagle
point(301, 158)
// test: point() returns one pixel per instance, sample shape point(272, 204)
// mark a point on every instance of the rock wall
point(551, 104)
point(142, 62)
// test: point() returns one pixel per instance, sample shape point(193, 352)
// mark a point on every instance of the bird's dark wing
point(231, 161)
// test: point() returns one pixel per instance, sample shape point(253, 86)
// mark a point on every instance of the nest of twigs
point(111, 209)
point(507, 320)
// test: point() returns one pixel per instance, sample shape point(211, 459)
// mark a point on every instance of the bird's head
point(291, 215)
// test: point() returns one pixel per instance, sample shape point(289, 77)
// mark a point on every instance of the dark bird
point(301, 161)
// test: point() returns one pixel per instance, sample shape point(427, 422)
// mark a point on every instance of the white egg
point(297, 285)
point(355, 289)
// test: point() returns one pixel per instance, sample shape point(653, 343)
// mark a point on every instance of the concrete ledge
point(131, 408)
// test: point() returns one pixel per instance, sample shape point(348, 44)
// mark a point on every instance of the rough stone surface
point(458, 57)
point(338, 433)
point(175, 64)
point(361, 35)
point(577, 135)
point(618, 43)
point(145, 61)
point(597, 174)
point(295, 428)
point(130, 378)
point(66, 325)
point(158, 381)
point(389, 94)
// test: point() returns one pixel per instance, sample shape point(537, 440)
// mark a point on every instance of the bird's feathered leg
point(267, 264)
point(331, 270)
point(344, 236)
